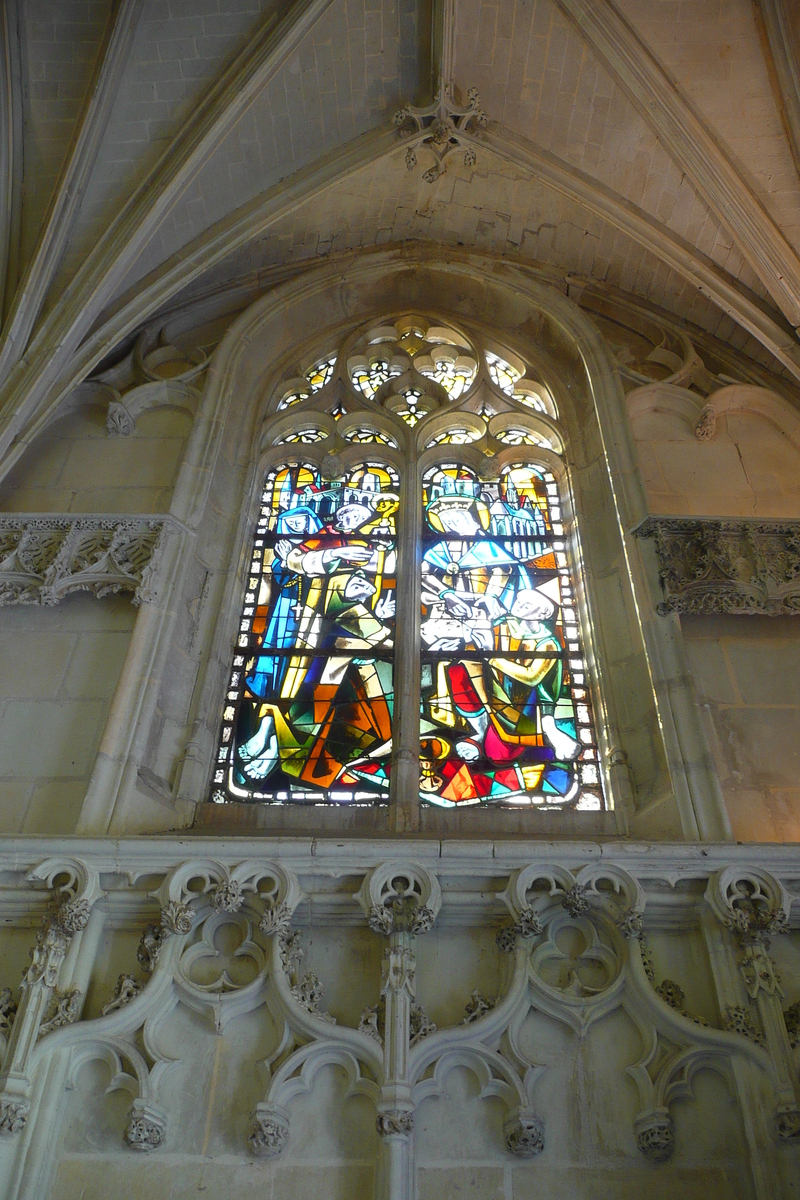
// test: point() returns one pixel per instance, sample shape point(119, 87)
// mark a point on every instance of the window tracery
point(505, 710)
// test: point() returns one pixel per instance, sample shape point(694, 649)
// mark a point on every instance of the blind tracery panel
point(505, 713)
point(310, 703)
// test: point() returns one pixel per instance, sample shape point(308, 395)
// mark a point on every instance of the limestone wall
point(61, 665)
point(76, 466)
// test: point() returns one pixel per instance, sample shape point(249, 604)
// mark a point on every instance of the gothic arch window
point(413, 590)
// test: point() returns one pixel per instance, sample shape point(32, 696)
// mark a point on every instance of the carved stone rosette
point(14, 1111)
point(44, 558)
point(718, 566)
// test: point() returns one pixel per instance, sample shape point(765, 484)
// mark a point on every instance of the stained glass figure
point(310, 702)
point(505, 709)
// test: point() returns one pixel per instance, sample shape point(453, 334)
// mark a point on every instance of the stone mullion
point(404, 794)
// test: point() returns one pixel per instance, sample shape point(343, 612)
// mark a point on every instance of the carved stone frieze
point(792, 1020)
point(176, 918)
point(276, 921)
point(44, 558)
point(476, 1007)
point(63, 1008)
point(575, 900)
point(673, 995)
point(228, 896)
point(127, 988)
point(737, 1019)
point(149, 948)
point(721, 566)
point(146, 1128)
point(420, 1025)
point(527, 925)
point(8, 1009)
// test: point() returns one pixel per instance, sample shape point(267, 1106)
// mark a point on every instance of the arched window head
point(479, 695)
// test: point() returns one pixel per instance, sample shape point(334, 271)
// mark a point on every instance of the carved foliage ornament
point(43, 559)
point(716, 566)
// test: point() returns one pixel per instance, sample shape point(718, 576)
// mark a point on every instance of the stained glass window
point(505, 705)
point(309, 705)
point(505, 709)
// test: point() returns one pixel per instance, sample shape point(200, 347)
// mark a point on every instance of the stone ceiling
point(157, 147)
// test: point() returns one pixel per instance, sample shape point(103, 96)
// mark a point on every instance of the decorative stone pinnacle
point(439, 128)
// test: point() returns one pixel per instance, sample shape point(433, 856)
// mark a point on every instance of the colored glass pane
point(303, 437)
point(366, 436)
point(523, 437)
point(310, 699)
point(454, 371)
point(455, 437)
point(319, 375)
point(410, 412)
point(505, 709)
point(501, 372)
point(368, 377)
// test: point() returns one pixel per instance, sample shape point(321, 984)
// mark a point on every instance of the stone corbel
point(42, 1007)
point(709, 565)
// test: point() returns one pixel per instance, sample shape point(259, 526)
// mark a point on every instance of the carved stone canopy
point(743, 567)
point(44, 558)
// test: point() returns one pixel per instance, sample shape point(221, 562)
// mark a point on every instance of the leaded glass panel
point(310, 702)
point(505, 709)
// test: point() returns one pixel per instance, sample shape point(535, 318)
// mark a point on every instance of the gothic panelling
point(746, 671)
point(61, 39)
point(60, 668)
point(531, 1019)
point(714, 52)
